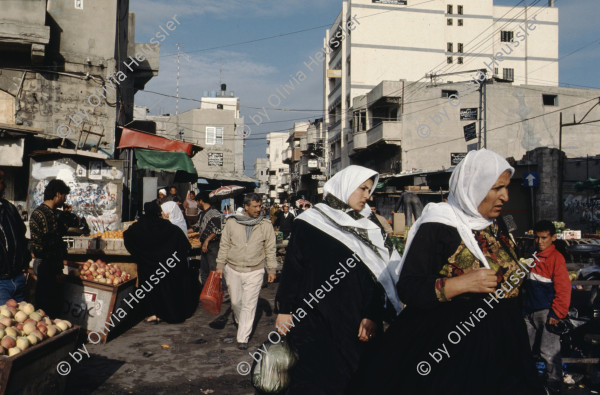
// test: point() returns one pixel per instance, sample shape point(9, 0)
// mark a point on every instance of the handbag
point(212, 294)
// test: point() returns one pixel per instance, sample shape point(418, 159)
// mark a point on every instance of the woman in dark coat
point(461, 331)
point(160, 250)
point(337, 284)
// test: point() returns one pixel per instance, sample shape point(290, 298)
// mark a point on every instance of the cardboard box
point(571, 234)
point(399, 223)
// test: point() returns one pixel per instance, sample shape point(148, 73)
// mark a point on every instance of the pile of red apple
point(21, 327)
point(102, 272)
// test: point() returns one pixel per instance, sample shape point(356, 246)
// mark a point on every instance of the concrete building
point(430, 135)
point(372, 41)
point(61, 78)
point(215, 126)
point(279, 172)
point(261, 174)
point(312, 166)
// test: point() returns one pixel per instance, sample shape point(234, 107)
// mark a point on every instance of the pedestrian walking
point(338, 277)
point(161, 251)
point(209, 228)
point(48, 247)
point(546, 301)
point(247, 246)
point(462, 330)
point(14, 256)
point(284, 221)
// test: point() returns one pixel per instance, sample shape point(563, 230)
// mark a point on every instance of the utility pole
point(179, 131)
point(560, 161)
point(482, 100)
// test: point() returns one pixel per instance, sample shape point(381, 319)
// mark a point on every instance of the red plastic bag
point(212, 294)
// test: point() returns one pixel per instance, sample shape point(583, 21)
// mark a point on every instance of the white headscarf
point(330, 220)
point(175, 215)
point(470, 183)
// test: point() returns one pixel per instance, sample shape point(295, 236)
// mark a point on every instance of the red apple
point(12, 302)
point(8, 342)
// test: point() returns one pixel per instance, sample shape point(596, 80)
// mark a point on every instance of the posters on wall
point(96, 189)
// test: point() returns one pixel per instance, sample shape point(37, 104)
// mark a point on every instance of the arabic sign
point(468, 114)
point(215, 159)
point(470, 131)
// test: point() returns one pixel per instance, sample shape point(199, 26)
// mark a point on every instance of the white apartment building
point(376, 40)
point(279, 172)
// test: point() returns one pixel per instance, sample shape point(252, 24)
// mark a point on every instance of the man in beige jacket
point(247, 244)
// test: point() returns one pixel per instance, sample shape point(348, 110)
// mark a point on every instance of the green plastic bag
point(272, 373)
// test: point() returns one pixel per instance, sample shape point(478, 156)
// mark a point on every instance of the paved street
point(200, 359)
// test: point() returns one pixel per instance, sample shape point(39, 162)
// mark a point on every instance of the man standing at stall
point(48, 247)
point(247, 243)
point(209, 227)
point(14, 256)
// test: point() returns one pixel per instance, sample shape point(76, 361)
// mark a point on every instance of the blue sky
point(255, 70)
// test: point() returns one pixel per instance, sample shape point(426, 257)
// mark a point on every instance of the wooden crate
point(33, 371)
point(90, 304)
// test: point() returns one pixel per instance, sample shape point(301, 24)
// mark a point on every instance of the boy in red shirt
point(546, 300)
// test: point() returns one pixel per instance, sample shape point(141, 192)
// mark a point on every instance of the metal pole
point(480, 113)
point(485, 113)
point(560, 169)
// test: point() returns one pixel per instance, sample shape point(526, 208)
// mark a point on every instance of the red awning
point(133, 139)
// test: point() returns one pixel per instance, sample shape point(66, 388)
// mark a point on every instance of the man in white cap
point(162, 196)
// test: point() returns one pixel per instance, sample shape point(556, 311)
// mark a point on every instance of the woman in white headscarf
point(172, 212)
point(461, 331)
point(337, 284)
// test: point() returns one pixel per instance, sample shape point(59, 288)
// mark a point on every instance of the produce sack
point(212, 294)
point(272, 373)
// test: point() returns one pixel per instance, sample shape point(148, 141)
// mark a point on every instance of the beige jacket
point(247, 256)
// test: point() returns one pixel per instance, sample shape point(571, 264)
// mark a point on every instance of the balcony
point(334, 90)
point(387, 132)
point(23, 27)
point(272, 180)
point(292, 156)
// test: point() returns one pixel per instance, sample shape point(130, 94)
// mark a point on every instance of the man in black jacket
point(284, 221)
point(14, 256)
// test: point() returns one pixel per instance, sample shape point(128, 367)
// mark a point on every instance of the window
point(448, 93)
point(449, 47)
point(460, 22)
point(460, 47)
point(460, 9)
point(449, 9)
point(449, 59)
point(460, 60)
point(449, 21)
point(506, 36)
point(214, 136)
point(550, 100)
point(508, 74)
point(495, 70)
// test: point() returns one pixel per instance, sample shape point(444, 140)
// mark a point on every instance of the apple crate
point(36, 368)
point(90, 304)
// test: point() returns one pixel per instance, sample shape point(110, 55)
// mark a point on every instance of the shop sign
point(456, 157)
point(320, 177)
point(215, 159)
point(313, 163)
point(468, 114)
point(470, 131)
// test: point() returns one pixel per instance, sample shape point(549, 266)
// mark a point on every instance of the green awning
point(164, 160)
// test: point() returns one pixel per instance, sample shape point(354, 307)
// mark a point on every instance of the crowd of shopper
point(460, 299)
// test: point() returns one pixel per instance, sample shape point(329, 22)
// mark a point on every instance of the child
point(547, 296)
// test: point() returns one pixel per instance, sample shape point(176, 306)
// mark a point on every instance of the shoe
point(243, 346)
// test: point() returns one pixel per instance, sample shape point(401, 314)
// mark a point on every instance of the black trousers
point(47, 290)
point(208, 262)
